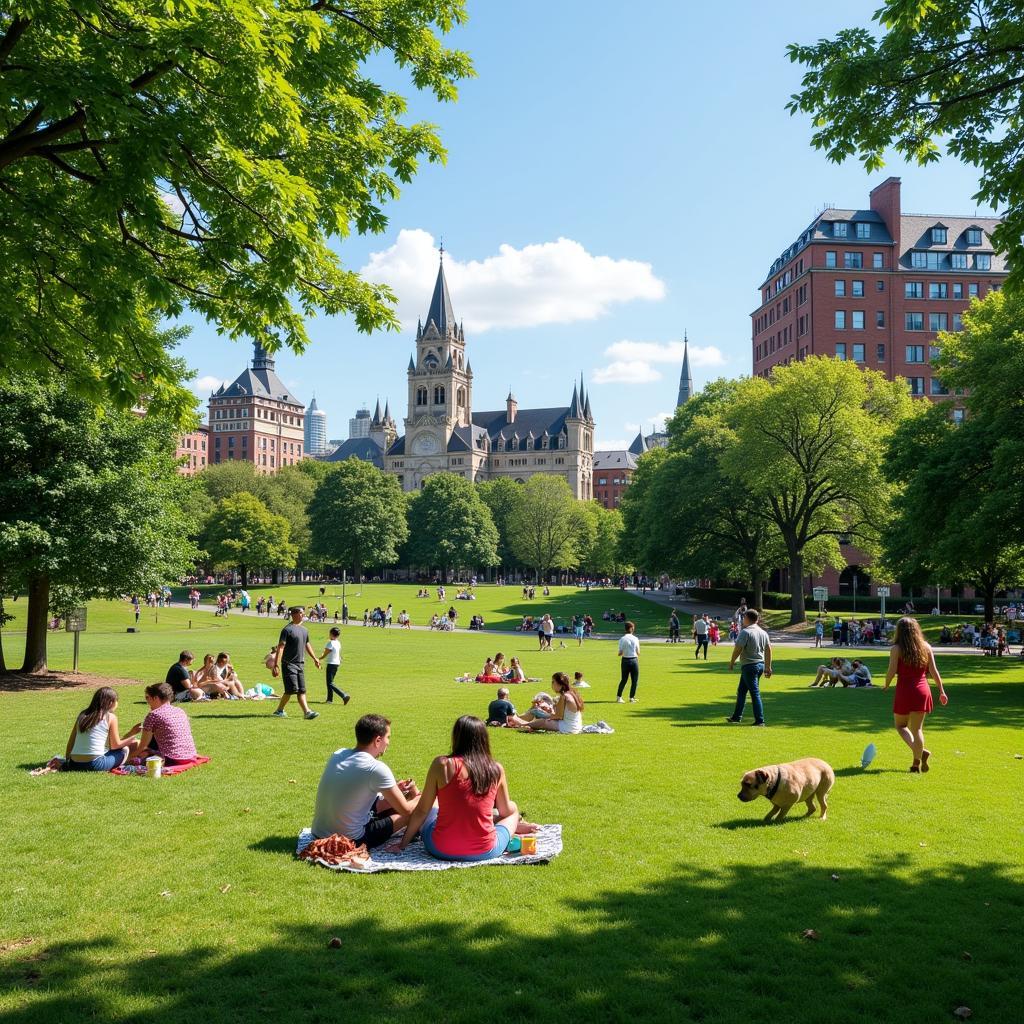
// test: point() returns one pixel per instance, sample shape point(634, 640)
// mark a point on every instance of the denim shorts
point(501, 841)
point(104, 763)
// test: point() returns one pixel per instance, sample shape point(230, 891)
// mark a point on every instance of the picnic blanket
point(602, 728)
point(416, 858)
point(136, 767)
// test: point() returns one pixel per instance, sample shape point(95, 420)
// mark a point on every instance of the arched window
point(421, 396)
point(439, 395)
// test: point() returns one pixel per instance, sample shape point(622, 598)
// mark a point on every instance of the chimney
point(885, 201)
point(512, 407)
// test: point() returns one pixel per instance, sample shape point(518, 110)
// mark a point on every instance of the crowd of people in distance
point(852, 632)
point(266, 605)
point(988, 638)
point(380, 617)
point(495, 670)
point(842, 672)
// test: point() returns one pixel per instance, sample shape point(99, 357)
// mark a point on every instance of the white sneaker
point(619, 700)
point(633, 700)
point(312, 714)
point(280, 714)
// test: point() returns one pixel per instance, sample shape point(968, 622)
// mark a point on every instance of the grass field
point(126, 899)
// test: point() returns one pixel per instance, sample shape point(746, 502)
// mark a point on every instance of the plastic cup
point(528, 845)
point(154, 767)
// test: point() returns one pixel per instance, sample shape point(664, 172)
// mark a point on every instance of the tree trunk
point(36, 622)
point(243, 571)
point(797, 608)
point(757, 586)
point(989, 590)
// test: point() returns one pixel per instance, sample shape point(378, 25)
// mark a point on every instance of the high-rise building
point(359, 425)
point(315, 430)
point(256, 419)
point(875, 286)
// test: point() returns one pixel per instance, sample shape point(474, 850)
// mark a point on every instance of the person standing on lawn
point(332, 662)
point(754, 650)
point(291, 650)
point(629, 655)
point(701, 635)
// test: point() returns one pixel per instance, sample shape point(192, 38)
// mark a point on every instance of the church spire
point(261, 358)
point(685, 377)
point(441, 304)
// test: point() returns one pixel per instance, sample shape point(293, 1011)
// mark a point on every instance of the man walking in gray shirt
point(290, 660)
point(754, 650)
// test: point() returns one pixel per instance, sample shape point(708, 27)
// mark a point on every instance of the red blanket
point(138, 767)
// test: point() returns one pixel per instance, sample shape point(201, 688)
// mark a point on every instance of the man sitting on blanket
point(358, 796)
point(166, 730)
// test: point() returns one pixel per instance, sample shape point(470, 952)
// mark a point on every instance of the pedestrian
point(754, 650)
point(344, 614)
point(629, 655)
point(819, 632)
point(291, 652)
point(701, 635)
point(912, 661)
point(332, 662)
point(673, 628)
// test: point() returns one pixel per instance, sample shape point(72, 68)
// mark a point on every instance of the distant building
point(380, 435)
point(315, 430)
point(659, 439)
point(256, 419)
point(193, 447)
point(359, 425)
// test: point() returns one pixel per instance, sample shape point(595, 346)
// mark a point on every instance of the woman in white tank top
point(95, 744)
point(568, 716)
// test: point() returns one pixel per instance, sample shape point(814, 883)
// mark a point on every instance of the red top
point(464, 822)
point(913, 694)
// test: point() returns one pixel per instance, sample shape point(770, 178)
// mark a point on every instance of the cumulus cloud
point(545, 283)
point(635, 362)
point(615, 445)
point(202, 386)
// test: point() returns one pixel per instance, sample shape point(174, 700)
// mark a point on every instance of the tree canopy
point(502, 496)
point(550, 529)
point(244, 534)
point(158, 157)
point(947, 73)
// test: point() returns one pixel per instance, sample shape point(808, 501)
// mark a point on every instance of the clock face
point(425, 444)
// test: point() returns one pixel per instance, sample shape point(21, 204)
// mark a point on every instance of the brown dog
point(788, 784)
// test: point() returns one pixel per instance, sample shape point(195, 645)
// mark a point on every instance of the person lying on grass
point(358, 796)
point(567, 717)
point(470, 788)
point(166, 730)
point(95, 744)
point(543, 706)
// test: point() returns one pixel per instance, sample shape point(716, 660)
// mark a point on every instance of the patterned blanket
point(134, 767)
point(415, 858)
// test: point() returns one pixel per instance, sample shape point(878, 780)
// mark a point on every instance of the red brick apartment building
point(194, 448)
point(874, 286)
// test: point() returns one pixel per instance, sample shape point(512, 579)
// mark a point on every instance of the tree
point(950, 71)
point(450, 527)
point(244, 534)
point(357, 517)
point(502, 496)
point(90, 506)
point(199, 154)
point(550, 528)
point(808, 448)
point(604, 558)
point(638, 544)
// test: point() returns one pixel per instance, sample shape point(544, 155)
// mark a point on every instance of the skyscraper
point(315, 429)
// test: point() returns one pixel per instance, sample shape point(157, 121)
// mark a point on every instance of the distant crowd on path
point(988, 638)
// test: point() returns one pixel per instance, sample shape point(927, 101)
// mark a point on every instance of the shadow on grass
point(275, 844)
point(709, 946)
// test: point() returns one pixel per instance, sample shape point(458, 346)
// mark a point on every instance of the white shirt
point(333, 652)
point(629, 646)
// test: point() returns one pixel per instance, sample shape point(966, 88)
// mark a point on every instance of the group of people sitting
point(217, 678)
point(96, 744)
point(496, 671)
point(842, 672)
point(476, 622)
point(613, 616)
point(991, 639)
point(563, 713)
point(463, 813)
point(446, 622)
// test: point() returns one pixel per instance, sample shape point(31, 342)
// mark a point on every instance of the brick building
point(194, 448)
point(255, 419)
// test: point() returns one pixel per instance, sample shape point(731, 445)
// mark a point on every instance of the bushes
point(731, 596)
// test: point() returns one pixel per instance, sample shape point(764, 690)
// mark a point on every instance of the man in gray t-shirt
point(290, 661)
point(754, 651)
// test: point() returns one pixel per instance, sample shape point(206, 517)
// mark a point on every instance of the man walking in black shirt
point(290, 660)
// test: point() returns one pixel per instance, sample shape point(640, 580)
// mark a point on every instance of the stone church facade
point(443, 433)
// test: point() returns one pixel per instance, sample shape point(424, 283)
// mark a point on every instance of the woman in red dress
point(911, 661)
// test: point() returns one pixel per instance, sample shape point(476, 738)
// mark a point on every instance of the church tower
point(685, 377)
point(440, 379)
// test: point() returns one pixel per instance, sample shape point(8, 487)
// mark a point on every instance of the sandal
point(925, 754)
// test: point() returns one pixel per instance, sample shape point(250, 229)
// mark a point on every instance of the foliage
point(603, 557)
point(450, 526)
point(244, 533)
point(198, 154)
point(949, 72)
point(358, 517)
point(502, 496)
point(550, 529)
point(638, 542)
point(90, 505)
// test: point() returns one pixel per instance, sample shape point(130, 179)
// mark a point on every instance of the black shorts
point(294, 679)
point(377, 832)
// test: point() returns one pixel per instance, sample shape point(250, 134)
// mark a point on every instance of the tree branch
point(14, 32)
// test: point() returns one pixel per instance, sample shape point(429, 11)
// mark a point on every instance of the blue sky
point(617, 174)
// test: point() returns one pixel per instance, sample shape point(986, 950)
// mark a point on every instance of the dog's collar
point(775, 785)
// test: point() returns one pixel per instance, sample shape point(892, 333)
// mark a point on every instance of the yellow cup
point(528, 845)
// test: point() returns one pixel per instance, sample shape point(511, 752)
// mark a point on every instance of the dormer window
point(939, 235)
point(544, 442)
point(515, 444)
point(974, 236)
point(982, 261)
point(500, 446)
point(863, 230)
point(839, 229)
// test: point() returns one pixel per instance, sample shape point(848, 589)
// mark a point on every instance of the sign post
point(75, 623)
point(883, 593)
point(820, 595)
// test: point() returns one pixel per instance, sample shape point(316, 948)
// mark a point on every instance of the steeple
point(440, 311)
point(261, 358)
point(376, 414)
point(387, 412)
point(685, 377)
point(575, 412)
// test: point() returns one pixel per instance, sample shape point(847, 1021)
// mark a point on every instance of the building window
point(974, 236)
point(958, 415)
point(840, 287)
point(937, 321)
point(916, 385)
point(972, 291)
point(982, 261)
point(863, 230)
point(858, 353)
point(853, 260)
point(231, 442)
point(938, 290)
point(958, 322)
point(839, 229)
point(915, 353)
point(858, 289)
point(439, 395)
point(858, 319)
point(840, 319)
point(840, 350)
point(938, 236)
point(914, 321)
point(934, 352)
point(880, 285)
point(958, 261)
point(880, 352)
point(913, 290)
point(958, 290)
point(880, 318)
point(830, 258)
point(461, 398)
point(421, 396)
point(925, 260)
point(877, 261)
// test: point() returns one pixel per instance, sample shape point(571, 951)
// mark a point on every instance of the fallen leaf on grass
point(197, 813)
point(247, 810)
point(922, 844)
point(293, 782)
point(226, 888)
point(167, 894)
point(963, 1012)
point(7, 947)
point(152, 950)
point(811, 934)
point(1019, 757)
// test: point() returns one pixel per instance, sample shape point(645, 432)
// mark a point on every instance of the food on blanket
point(528, 845)
point(336, 850)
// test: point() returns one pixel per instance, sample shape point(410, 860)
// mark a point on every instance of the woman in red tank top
point(911, 661)
point(468, 785)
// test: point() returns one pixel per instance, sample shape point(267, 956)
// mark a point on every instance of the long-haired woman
point(468, 785)
point(912, 661)
point(95, 744)
point(568, 714)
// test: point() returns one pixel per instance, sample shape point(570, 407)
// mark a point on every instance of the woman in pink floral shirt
point(166, 730)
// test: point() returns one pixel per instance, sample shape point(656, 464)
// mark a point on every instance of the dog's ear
point(761, 775)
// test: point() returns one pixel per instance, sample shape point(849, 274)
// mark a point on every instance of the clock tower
point(440, 382)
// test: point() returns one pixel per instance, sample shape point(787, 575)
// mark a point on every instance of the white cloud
point(202, 386)
point(544, 283)
point(633, 362)
point(615, 445)
point(632, 427)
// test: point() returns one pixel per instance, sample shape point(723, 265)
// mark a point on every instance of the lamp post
point(343, 574)
point(854, 593)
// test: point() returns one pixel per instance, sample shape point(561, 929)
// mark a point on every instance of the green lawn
point(131, 900)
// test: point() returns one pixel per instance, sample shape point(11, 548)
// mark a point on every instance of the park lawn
point(128, 899)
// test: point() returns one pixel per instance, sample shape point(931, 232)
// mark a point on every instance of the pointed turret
point(440, 312)
point(387, 412)
point(412, 365)
point(685, 377)
point(575, 412)
point(639, 445)
point(376, 415)
point(587, 414)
